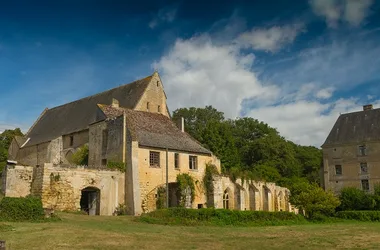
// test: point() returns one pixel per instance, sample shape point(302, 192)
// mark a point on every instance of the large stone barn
point(129, 139)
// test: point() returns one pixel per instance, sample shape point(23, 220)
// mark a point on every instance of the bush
point(355, 199)
point(359, 215)
point(80, 157)
point(21, 209)
point(221, 217)
point(121, 210)
point(116, 165)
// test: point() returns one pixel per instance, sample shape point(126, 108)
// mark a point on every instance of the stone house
point(351, 152)
point(129, 126)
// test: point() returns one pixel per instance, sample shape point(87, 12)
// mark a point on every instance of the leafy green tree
point(355, 199)
point(6, 138)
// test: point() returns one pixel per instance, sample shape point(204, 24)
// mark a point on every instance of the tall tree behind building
point(6, 138)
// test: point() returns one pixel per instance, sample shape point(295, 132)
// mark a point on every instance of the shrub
point(221, 217)
point(21, 209)
point(355, 199)
point(121, 210)
point(161, 197)
point(116, 165)
point(80, 157)
point(359, 215)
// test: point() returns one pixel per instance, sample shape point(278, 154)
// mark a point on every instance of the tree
point(6, 138)
point(355, 199)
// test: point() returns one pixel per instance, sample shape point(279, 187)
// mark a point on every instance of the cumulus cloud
point(351, 11)
point(270, 39)
point(164, 15)
point(325, 93)
point(196, 72)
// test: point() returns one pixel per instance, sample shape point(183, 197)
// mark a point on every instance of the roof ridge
point(355, 112)
point(87, 97)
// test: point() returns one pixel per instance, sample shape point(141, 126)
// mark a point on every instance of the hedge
point(359, 215)
point(209, 216)
point(21, 209)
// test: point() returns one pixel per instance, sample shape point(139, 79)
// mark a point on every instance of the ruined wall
point(114, 148)
point(250, 195)
point(33, 155)
point(150, 178)
point(61, 187)
point(95, 154)
point(156, 97)
point(79, 139)
point(17, 180)
point(349, 158)
point(54, 151)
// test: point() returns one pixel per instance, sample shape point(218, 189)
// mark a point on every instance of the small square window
point(363, 168)
point(193, 162)
point(154, 159)
point(365, 185)
point(362, 150)
point(104, 162)
point(176, 160)
point(338, 169)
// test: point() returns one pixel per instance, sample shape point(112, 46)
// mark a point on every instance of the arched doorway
point(90, 200)
point(226, 200)
point(252, 198)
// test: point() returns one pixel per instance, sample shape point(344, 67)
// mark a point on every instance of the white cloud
point(325, 93)
point(351, 11)
point(270, 39)
point(356, 11)
point(166, 14)
point(196, 72)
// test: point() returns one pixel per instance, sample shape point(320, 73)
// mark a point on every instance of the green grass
point(101, 232)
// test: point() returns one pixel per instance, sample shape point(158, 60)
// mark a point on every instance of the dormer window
point(147, 106)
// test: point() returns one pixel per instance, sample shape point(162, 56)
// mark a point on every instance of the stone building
point(127, 126)
point(351, 152)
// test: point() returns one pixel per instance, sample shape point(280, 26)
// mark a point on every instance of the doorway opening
point(90, 201)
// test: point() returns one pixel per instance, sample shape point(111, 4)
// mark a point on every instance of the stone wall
point(250, 195)
point(33, 155)
point(150, 178)
point(155, 95)
point(348, 157)
point(61, 188)
point(17, 180)
point(95, 154)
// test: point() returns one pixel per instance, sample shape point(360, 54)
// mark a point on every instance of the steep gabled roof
point(155, 130)
point(76, 116)
point(356, 127)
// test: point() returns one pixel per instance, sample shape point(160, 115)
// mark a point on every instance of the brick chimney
point(181, 124)
point(367, 107)
point(115, 103)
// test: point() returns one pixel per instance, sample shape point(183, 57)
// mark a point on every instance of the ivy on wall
point(185, 187)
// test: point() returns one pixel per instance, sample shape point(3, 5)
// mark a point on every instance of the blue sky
point(293, 64)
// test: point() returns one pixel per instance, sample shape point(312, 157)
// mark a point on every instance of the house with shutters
point(351, 151)
point(128, 126)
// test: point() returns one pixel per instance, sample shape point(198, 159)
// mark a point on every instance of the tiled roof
point(356, 127)
point(155, 130)
point(76, 116)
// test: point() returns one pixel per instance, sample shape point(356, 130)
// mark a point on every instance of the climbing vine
point(208, 178)
point(161, 197)
point(185, 185)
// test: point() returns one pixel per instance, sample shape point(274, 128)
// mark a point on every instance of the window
point(362, 150)
point(338, 169)
point(154, 159)
point(147, 106)
point(104, 162)
point(365, 185)
point(193, 162)
point(71, 140)
point(158, 83)
point(159, 109)
point(363, 168)
point(104, 140)
point(176, 160)
point(225, 200)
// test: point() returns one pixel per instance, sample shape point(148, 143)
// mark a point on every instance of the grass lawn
point(98, 232)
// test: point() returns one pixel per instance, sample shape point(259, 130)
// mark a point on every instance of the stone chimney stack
point(181, 124)
point(367, 107)
point(115, 103)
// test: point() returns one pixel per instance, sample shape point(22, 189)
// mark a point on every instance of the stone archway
point(267, 199)
point(90, 200)
point(253, 201)
point(227, 199)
